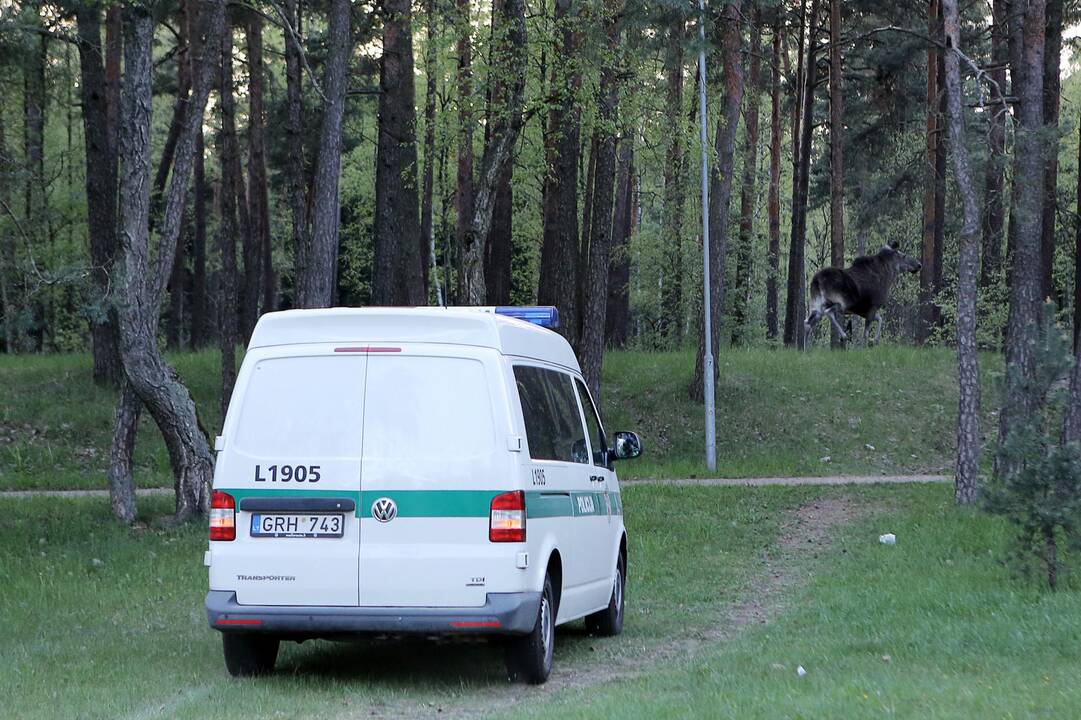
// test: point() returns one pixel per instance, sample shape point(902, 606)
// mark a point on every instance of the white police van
point(428, 470)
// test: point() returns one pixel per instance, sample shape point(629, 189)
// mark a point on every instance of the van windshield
point(308, 406)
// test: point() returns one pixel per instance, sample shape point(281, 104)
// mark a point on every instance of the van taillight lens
point(507, 522)
point(222, 516)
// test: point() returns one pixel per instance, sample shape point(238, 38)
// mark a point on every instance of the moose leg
point(809, 326)
point(867, 329)
point(832, 312)
point(878, 329)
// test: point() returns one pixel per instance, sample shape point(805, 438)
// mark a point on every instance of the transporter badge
point(384, 510)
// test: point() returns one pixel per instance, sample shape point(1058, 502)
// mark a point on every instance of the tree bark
point(559, 248)
point(295, 181)
point(142, 286)
point(509, 61)
point(773, 202)
point(618, 316)
point(120, 473)
point(228, 151)
point(675, 188)
point(198, 280)
point(101, 169)
point(317, 282)
point(1051, 101)
point(1071, 416)
point(1026, 207)
point(427, 219)
point(499, 246)
point(463, 199)
point(931, 182)
point(994, 171)
point(397, 278)
point(748, 191)
point(720, 191)
point(266, 282)
point(7, 249)
point(837, 141)
point(795, 307)
point(966, 484)
point(595, 301)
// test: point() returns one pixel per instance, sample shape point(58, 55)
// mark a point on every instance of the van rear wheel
point(529, 657)
point(609, 621)
point(247, 655)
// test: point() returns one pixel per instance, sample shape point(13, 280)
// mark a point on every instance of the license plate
point(285, 525)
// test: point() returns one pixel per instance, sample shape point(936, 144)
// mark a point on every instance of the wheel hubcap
point(617, 592)
point(546, 630)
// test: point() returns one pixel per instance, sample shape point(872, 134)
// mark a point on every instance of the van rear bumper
point(502, 613)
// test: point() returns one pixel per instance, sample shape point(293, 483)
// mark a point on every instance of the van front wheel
point(529, 657)
point(247, 655)
point(609, 621)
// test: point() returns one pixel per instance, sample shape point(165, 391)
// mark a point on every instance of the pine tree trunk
point(463, 199)
point(174, 318)
point(229, 151)
point(510, 61)
point(258, 204)
point(7, 249)
point(618, 311)
point(396, 264)
point(595, 300)
point(837, 141)
point(748, 191)
point(317, 280)
point(499, 246)
point(198, 246)
point(671, 319)
point(559, 249)
point(993, 213)
point(1026, 207)
point(142, 286)
point(795, 306)
point(1071, 416)
point(101, 169)
point(120, 473)
point(720, 190)
point(427, 220)
point(930, 189)
point(1051, 101)
point(773, 202)
point(966, 484)
point(295, 181)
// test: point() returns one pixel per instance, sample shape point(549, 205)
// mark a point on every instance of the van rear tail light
point(507, 521)
point(222, 516)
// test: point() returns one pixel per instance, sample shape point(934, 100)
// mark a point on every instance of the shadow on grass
point(443, 662)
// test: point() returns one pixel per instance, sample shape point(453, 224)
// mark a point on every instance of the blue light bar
point(543, 315)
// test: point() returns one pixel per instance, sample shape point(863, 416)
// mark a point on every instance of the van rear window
point(553, 423)
point(425, 417)
point(303, 407)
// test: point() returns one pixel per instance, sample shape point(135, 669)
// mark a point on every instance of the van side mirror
point(625, 446)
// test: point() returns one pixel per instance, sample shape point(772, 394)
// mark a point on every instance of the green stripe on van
point(450, 503)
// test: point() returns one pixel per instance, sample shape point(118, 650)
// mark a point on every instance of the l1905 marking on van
point(289, 473)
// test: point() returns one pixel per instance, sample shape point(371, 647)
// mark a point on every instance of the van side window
point(593, 424)
point(553, 424)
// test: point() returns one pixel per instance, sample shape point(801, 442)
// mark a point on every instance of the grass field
point(779, 413)
point(930, 628)
point(103, 621)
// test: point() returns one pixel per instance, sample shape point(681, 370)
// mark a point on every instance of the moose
point(862, 290)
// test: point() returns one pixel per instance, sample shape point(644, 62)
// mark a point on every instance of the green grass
point(779, 413)
point(103, 621)
point(962, 639)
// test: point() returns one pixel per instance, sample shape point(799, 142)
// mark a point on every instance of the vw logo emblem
point(384, 510)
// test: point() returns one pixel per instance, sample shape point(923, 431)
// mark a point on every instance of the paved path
point(704, 482)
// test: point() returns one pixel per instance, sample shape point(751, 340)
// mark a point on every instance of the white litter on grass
point(888, 539)
point(800, 671)
point(825, 459)
point(869, 446)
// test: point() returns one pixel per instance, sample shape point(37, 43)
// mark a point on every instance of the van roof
point(479, 327)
